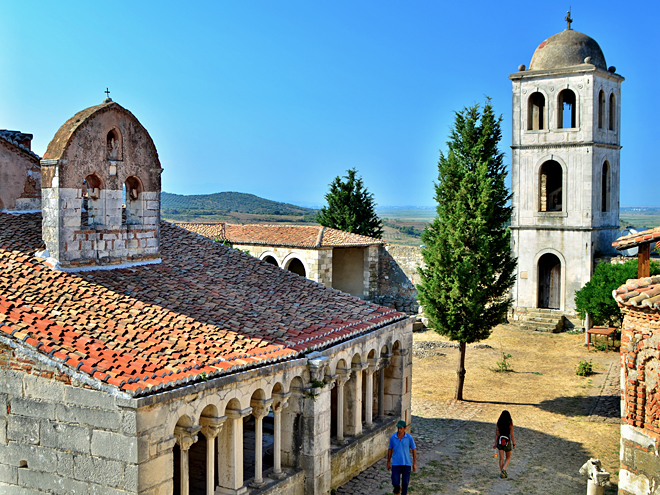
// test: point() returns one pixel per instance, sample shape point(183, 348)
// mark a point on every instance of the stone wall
point(58, 437)
point(640, 408)
point(397, 277)
point(20, 184)
point(351, 460)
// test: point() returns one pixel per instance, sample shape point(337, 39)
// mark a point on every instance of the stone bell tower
point(101, 191)
point(565, 173)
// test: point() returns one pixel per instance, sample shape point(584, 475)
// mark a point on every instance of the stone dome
point(566, 49)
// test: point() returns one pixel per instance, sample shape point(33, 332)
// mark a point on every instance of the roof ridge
point(319, 239)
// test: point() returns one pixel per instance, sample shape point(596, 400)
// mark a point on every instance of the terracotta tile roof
point(641, 293)
point(14, 138)
point(206, 309)
point(302, 236)
point(633, 240)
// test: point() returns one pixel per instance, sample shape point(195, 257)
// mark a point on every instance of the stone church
point(565, 173)
point(137, 357)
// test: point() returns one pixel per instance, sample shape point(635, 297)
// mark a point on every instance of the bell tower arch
point(565, 169)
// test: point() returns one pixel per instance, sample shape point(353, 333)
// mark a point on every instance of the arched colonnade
point(210, 441)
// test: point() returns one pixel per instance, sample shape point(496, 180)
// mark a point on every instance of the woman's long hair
point(505, 423)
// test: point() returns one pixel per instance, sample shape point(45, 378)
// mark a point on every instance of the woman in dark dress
point(504, 441)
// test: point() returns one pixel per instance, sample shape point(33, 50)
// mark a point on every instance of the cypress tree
point(351, 207)
point(469, 264)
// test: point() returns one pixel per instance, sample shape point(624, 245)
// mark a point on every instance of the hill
point(231, 207)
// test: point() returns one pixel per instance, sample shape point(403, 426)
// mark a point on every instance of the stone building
point(358, 265)
point(639, 301)
point(565, 171)
point(20, 175)
point(341, 260)
point(209, 372)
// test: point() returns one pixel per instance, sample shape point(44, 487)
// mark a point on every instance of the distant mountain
point(229, 201)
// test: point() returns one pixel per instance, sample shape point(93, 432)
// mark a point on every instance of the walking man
point(398, 458)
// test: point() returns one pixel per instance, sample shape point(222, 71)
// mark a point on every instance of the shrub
point(584, 368)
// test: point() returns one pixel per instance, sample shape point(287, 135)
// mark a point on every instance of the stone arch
point(559, 278)
point(133, 212)
point(612, 112)
point(551, 179)
point(567, 110)
point(601, 109)
point(605, 187)
point(185, 433)
point(295, 265)
point(230, 444)
point(536, 112)
point(92, 201)
point(269, 258)
point(114, 145)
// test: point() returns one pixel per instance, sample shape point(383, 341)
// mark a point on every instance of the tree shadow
point(456, 462)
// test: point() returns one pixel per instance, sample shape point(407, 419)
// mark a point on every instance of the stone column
point(211, 427)
point(344, 376)
point(315, 456)
point(369, 393)
point(260, 408)
point(354, 401)
point(230, 449)
point(384, 363)
point(185, 437)
point(280, 402)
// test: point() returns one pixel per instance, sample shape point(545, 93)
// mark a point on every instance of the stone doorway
point(549, 282)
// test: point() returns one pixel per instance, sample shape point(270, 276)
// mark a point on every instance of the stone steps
point(543, 320)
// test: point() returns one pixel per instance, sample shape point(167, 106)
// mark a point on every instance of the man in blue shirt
point(398, 458)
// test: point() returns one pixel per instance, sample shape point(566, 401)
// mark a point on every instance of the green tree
point(596, 298)
point(351, 207)
point(469, 265)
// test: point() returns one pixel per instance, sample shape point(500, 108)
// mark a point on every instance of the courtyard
point(560, 419)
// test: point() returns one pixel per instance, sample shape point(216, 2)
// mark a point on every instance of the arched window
point(132, 214)
point(605, 187)
point(113, 145)
point(566, 116)
point(601, 109)
point(550, 187)
point(296, 266)
point(536, 112)
point(612, 111)
point(269, 259)
point(92, 205)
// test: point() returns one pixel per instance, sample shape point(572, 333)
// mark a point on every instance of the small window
point(92, 206)
point(612, 111)
point(566, 117)
point(132, 212)
point(536, 112)
point(113, 145)
point(601, 109)
point(605, 187)
point(550, 187)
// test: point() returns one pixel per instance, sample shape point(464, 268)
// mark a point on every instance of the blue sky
point(278, 98)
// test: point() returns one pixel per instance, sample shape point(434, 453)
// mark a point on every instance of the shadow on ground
point(457, 457)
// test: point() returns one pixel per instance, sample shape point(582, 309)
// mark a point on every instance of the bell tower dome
point(565, 169)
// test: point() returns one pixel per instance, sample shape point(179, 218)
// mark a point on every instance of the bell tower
point(565, 170)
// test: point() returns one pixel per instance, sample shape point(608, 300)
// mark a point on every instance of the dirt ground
point(560, 419)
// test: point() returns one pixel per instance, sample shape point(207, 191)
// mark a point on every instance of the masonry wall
point(398, 277)
point(56, 436)
point(317, 262)
point(640, 405)
point(20, 179)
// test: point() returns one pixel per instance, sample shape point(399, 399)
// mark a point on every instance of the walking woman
point(504, 440)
